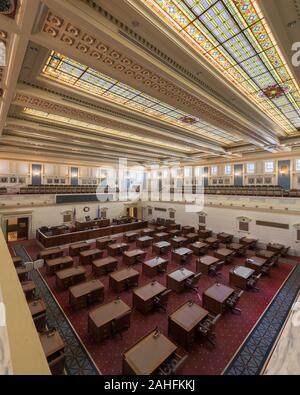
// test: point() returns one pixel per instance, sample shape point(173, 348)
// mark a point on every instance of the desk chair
point(160, 302)
point(214, 269)
point(129, 283)
point(205, 328)
point(285, 251)
point(193, 281)
point(172, 365)
point(120, 324)
point(232, 301)
point(251, 282)
point(160, 269)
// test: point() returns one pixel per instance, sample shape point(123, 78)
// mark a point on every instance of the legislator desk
point(192, 237)
point(37, 309)
point(162, 247)
point(148, 232)
point(183, 323)
point(161, 228)
point(213, 242)
point(75, 249)
point(129, 237)
point(256, 263)
point(142, 297)
point(117, 248)
point(178, 241)
point(248, 242)
point(104, 265)
point(99, 223)
point(63, 262)
point(54, 348)
point(266, 254)
point(214, 298)
point(203, 264)
point(89, 234)
point(86, 257)
point(161, 236)
point(71, 276)
point(123, 279)
point(148, 354)
point(83, 294)
point(174, 232)
point(224, 254)
point(133, 256)
point(22, 273)
point(144, 241)
point(225, 237)
point(101, 320)
point(176, 279)
point(199, 248)
point(182, 255)
point(239, 248)
point(103, 242)
point(275, 247)
point(239, 276)
point(154, 266)
point(204, 233)
point(17, 261)
point(28, 287)
point(187, 229)
point(51, 253)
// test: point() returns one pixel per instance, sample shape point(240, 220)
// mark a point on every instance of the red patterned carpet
point(231, 330)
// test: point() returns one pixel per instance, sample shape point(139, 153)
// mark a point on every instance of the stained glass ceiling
point(70, 72)
point(234, 37)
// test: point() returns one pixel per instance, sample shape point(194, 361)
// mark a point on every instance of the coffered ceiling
point(148, 80)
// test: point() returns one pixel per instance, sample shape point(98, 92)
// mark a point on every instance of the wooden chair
point(120, 324)
point(160, 302)
point(193, 281)
point(214, 269)
point(251, 282)
point(232, 301)
point(205, 328)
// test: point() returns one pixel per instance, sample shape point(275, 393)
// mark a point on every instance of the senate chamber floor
point(149, 188)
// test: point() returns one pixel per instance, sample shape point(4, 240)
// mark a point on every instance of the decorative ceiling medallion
point(8, 8)
point(275, 91)
point(188, 120)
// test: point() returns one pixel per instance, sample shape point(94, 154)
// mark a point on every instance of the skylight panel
point(239, 48)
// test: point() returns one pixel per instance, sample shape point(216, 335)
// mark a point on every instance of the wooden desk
point(148, 232)
point(239, 276)
point(144, 241)
point(117, 248)
point(213, 242)
point(224, 254)
point(161, 247)
point(70, 276)
point(142, 297)
point(183, 323)
point(176, 279)
point(53, 347)
point(182, 255)
point(205, 262)
point(148, 354)
point(225, 237)
point(204, 233)
point(38, 312)
point(130, 237)
point(100, 319)
point(237, 247)
point(83, 294)
point(123, 279)
point(174, 232)
point(104, 265)
point(28, 289)
point(187, 229)
point(275, 247)
point(178, 241)
point(75, 249)
point(17, 261)
point(199, 248)
point(63, 262)
point(104, 242)
point(161, 228)
point(266, 254)
point(51, 253)
point(86, 257)
point(133, 256)
point(161, 236)
point(256, 263)
point(151, 267)
point(192, 237)
point(248, 242)
point(22, 273)
point(214, 298)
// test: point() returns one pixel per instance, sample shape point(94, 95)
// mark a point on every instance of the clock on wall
point(86, 209)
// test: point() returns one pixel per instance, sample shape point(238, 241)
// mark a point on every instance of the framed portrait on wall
point(13, 180)
point(4, 180)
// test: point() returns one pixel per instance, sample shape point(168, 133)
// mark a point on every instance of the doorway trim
point(16, 215)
